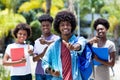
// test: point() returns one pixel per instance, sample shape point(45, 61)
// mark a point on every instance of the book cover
point(101, 53)
point(17, 54)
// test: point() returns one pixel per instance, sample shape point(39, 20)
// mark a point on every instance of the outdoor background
point(13, 12)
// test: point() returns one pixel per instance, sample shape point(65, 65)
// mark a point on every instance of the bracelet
point(31, 54)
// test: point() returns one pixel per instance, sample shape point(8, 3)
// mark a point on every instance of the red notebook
point(17, 54)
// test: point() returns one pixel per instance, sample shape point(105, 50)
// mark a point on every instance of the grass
point(4, 74)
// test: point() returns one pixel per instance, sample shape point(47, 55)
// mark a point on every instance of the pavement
point(116, 69)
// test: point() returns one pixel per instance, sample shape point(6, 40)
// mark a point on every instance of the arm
point(37, 57)
point(11, 63)
point(43, 41)
point(111, 62)
point(70, 46)
point(93, 40)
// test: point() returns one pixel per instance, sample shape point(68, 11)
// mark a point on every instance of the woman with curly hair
point(60, 59)
point(19, 53)
point(101, 72)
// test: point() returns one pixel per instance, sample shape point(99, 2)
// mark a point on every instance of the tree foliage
point(89, 6)
point(8, 21)
point(112, 9)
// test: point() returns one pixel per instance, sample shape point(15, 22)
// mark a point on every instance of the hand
point(68, 45)
point(56, 73)
point(43, 41)
point(23, 60)
point(94, 40)
point(52, 72)
point(30, 52)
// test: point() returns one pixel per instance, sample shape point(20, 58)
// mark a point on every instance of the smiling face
point(101, 31)
point(45, 27)
point(65, 28)
point(21, 36)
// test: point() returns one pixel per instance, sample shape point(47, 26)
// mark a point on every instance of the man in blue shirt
point(53, 62)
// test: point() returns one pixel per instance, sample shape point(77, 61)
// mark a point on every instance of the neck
point(66, 37)
point(47, 35)
point(102, 41)
point(19, 42)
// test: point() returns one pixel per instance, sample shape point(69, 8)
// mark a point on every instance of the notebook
point(17, 54)
point(101, 53)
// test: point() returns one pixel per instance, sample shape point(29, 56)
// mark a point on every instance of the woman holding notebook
point(17, 54)
point(101, 72)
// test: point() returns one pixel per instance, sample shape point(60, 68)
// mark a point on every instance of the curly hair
point(101, 21)
point(64, 16)
point(22, 26)
point(45, 17)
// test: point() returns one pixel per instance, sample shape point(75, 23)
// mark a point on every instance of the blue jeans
point(23, 77)
point(42, 77)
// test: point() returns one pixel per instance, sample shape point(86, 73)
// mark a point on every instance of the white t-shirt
point(21, 70)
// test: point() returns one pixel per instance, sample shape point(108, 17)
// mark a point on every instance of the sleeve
point(7, 50)
point(82, 41)
point(46, 60)
point(35, 49)
point(56, 38)
point(112, 47)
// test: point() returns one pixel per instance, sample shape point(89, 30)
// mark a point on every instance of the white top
point(39, 48)
point(22, 70)
point(109, 44)
point(102, 72)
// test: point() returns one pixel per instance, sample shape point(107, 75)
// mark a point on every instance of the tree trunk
point(71, 5)
point(48, 6)
point(116, 41)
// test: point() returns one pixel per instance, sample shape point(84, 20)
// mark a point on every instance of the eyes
point(66, 23)
point(22, 34)
point(100, 28)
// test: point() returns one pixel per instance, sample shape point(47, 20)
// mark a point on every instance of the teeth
point(65, 30)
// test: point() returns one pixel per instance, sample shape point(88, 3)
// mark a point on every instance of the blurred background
point(13, 12)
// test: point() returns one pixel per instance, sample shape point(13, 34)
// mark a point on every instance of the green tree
point(90, 6)
point(8, 20)
point(112, 9)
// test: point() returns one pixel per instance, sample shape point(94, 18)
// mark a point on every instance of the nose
point(65, 26)
point(99, 30)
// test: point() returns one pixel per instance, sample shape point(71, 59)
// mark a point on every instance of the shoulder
point(37, 40)
point(11, 45)
point(82, 39)
point(111, 46)
point(56, 43)
point(55, 36)
point(109, 42)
